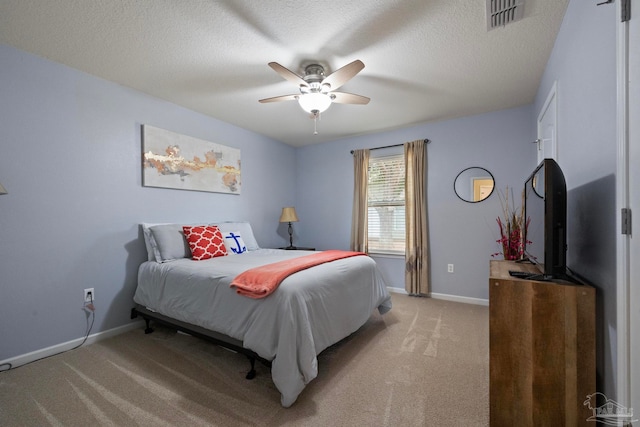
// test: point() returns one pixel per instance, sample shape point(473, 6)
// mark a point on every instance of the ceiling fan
point(317, 91)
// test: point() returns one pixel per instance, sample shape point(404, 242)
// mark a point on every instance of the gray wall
point(462, 234)
point(70, 157)
point(583, 64)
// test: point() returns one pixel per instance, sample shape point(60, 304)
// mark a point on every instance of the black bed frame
point(200, 332)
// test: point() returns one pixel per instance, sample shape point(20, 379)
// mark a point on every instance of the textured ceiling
point(425, 60)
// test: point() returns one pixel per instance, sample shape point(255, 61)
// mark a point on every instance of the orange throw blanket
point(262, 281)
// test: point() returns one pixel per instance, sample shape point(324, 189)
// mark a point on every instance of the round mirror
point(474, 184)
point(538, 183)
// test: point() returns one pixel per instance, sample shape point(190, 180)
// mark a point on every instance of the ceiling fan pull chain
point(315, 123)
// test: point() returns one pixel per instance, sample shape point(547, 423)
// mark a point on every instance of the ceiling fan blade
point(280, 98)
point(349, 98)
point(287, 74)
point(343, 75)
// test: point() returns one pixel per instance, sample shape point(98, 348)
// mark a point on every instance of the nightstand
point(298, 248)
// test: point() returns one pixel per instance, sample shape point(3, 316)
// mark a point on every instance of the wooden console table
point(542, 360)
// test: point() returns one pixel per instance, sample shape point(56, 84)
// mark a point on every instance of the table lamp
point(289, 215)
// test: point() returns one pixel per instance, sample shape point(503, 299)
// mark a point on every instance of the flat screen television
point(545, 206)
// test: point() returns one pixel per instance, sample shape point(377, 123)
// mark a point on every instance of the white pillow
point(152, 249)
point(234, 243)
point(242, 227)
point(170, 242)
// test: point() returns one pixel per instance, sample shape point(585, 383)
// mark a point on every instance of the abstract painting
point(172, 160)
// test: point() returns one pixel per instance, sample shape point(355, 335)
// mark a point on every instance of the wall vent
point(503, 12)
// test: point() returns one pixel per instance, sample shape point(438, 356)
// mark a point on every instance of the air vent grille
point(503, 12)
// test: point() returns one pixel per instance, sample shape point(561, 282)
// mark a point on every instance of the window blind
point(386, 205)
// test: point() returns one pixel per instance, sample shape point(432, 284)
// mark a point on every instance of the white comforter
point(310, 311)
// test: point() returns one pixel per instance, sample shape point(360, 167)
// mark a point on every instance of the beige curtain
point(359, 241)
point(416, 278)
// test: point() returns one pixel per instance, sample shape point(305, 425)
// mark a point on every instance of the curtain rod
point(426, 141)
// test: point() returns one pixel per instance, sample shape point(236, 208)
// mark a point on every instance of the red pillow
point(205, 241)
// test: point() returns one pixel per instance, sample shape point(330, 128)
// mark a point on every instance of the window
point(385, 199)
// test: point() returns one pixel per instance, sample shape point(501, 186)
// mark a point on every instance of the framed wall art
point(172, 160)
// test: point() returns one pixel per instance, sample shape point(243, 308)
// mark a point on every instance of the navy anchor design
point(238, 249)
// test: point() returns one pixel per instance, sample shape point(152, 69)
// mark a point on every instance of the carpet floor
point(425, 363)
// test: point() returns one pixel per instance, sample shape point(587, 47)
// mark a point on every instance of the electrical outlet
point(89, 295)
point(450, 268)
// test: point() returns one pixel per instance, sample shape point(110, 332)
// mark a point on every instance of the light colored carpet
point(425, 363)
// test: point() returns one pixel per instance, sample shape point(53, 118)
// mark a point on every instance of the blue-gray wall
point(463, 234)
point(583, 63)
point(70, 157)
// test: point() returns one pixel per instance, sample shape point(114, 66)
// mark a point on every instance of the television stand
point(525, 261)
point(541, 349)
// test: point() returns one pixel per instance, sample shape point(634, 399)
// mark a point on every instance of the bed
point(309, 311)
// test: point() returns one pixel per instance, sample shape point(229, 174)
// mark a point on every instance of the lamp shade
point(289, 215)
point(315, 101)
point(4, 191)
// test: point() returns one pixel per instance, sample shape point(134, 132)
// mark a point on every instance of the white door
point(547, 127)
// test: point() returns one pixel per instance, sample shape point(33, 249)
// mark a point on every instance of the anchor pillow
point(234, 243)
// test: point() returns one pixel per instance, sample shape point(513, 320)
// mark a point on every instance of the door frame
point(628, 389)
point(552, 98)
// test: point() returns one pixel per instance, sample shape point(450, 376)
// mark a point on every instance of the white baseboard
point(456, 298)
point(23, 359)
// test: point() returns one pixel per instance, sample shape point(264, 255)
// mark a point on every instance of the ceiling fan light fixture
point(314, 102)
